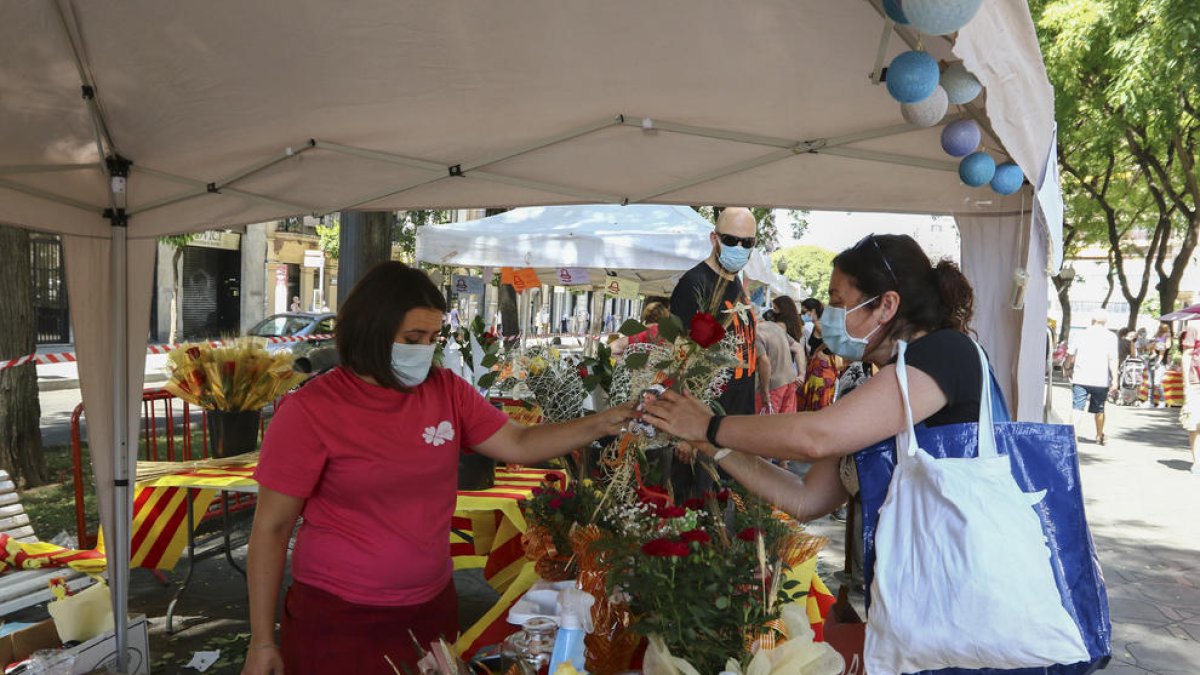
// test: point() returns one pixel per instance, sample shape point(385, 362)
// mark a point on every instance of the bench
point(25, 588)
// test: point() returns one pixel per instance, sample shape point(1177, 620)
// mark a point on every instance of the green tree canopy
point(811, 266)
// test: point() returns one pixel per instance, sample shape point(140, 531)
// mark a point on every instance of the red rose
point(705, 330)
point(557, 502)
point(193, 352)
point(698, 536)
point(723, 495)
point(694, 504)
point(665, 548)
point(569, 494)
point(552, 478)
point(583, 372)
point(748, 534)
point(671, 512)
point(538, 491)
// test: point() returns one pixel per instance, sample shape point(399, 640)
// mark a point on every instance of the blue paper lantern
point(895, 11)
point(961, 87)
point(940, 17)
point(912, 77)
point(960, 138)
point(1008, 178)
point(977, 169)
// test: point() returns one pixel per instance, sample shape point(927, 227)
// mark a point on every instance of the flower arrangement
point(235, 377)
point(541, 373)
point(707, 577)
point(489, 343)
point(553, 513)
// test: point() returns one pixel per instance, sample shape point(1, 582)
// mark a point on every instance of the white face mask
point(411, 363)
point(837, 336)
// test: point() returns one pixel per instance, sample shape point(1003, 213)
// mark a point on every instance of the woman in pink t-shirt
point(368, 455)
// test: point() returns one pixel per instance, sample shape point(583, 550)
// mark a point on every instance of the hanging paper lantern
point(895, 11)
point(960, 138)
point(940, 17)
point(961, 87)
point(928, 112)
point(977, 169)
point(1008, 178)
point(912, 77)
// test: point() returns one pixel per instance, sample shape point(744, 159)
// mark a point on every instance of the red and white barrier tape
point(69, 357)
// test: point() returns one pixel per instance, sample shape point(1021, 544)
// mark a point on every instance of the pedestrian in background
point(1093, 363)
point(1189, 414)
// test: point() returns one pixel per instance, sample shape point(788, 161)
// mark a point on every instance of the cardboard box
point(89, 656)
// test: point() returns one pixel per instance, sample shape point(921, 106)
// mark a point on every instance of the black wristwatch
point(714, 425)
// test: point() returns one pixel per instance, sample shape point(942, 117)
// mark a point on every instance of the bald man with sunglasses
point(732, 243)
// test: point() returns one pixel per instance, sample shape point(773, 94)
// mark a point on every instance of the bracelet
point(714, 425)
point(722, 454)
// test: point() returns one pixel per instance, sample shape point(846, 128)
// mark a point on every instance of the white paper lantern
point(928, 112)
point(940, 17)
point(961, 87)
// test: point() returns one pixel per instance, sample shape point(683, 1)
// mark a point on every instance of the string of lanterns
point(925, 92)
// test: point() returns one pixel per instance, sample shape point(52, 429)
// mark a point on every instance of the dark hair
point(787, 314)
point(371, 315)
point(654, 312)
point(813, 305)
point(931, 297)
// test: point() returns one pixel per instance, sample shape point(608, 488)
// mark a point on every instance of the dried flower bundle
point(235, 377)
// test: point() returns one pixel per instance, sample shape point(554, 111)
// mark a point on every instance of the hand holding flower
point(681, 415)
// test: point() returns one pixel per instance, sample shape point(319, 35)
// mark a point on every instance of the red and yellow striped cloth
point(36, 555)
point(160, 509)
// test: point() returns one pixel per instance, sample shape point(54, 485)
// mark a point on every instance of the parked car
point(310, 355)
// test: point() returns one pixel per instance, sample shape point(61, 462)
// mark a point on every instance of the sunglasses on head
point(730, 240)
point(888, 265)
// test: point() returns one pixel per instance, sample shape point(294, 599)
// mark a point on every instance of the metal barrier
point(177, 445)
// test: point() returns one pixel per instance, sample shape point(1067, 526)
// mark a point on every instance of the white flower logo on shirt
point(438, 435)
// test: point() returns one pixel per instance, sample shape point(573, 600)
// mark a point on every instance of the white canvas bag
point(962, 568)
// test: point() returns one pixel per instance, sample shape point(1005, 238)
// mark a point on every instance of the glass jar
point(530, 648)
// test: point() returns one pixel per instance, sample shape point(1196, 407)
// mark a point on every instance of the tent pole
point(117, 549)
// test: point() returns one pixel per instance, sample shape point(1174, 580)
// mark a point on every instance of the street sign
point(314, 259)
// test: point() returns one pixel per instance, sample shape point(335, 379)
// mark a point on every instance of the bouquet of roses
point(707, 576)
point(553, 513)
point(235, 377)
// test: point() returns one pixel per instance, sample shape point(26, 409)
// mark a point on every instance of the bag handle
point(907, 439)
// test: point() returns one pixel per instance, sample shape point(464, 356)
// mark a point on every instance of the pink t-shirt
point(378, 469)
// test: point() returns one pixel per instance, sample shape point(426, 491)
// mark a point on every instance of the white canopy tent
point(761, 272)
point(216, 114)
point(648, 243)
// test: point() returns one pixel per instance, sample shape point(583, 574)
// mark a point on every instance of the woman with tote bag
point(887, 303)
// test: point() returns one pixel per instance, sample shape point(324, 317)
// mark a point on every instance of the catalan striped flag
point(39, 554)
point(160, 510)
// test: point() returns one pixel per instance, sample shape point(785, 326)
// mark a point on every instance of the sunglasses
point(888, 265)
point(730, 240)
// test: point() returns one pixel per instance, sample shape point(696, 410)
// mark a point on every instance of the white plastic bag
point(962, 569)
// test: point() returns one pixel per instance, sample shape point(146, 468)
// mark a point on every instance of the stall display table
point(486, 527)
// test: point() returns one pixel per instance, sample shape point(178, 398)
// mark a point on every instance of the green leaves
point(637, 361)
point(488, 379)
point(631, 328)
point(671, 328)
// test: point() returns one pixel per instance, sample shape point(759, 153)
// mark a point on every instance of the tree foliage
point(811, 266)
point(1126, 79)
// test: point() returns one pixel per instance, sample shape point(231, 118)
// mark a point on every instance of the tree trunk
point(176, 258)
point(20, 411)
point(1063, 287)
point(506, 301)
point(364, 241)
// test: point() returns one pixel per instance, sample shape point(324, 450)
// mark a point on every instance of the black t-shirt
point(694, 293)
point(950, 358)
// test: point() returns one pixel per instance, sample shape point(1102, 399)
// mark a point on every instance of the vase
point(232, 433)
point(475, 471)
point(611, 646)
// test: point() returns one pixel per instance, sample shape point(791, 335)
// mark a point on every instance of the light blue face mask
point(733, 258)
point(806, 318)
point(411, 363)
point(837, 339)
